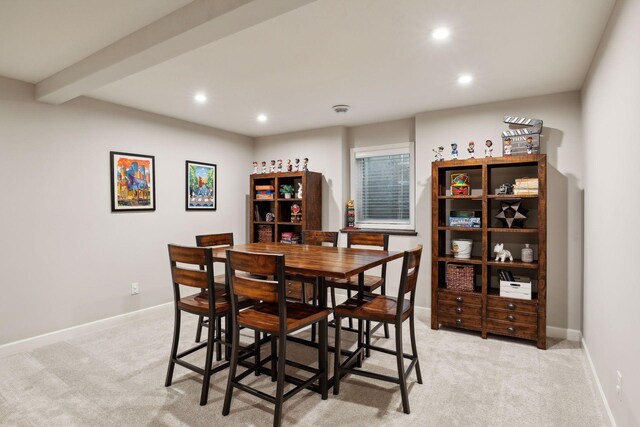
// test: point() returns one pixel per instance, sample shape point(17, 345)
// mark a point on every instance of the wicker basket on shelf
point(265, 233)
point(460, 277)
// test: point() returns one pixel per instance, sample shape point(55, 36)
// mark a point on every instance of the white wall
point(611, 103)
point(65, 259)
point(562, 142)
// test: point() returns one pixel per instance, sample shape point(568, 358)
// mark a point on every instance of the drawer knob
point(511, 317)
point(459, 321)
point(459, 299)
point(511, 306)
point(458, 309)
point(511, 329)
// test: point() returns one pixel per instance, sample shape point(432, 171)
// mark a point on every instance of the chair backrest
point(221, 239)
point(379, 240)
point(200, 276)
point(409, 276)
point(314, 237)
point(253, 285)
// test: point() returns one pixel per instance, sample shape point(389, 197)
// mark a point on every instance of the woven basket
point(265, 233)
point(460, 277)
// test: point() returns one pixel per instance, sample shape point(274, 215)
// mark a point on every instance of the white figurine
point(272, 168)
point(502, 253)
point(280, 165)
point(296, 165)
point(305, 162)
point(439, 155)
point(255, 168)
point(299, 193)
point(488, 149)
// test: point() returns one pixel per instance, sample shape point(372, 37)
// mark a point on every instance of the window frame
point(382, 150)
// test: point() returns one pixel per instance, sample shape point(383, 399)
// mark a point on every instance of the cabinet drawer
point(459, 297)
point(458, 308)
point(512, 304)
point(512, 329)
point(513, 316)
point(459, 321)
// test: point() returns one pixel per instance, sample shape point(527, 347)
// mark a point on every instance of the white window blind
point(382, 181)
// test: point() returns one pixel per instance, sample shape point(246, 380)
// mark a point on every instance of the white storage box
point(520, 288)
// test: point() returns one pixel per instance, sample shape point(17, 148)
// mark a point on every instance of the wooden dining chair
point(381, 308)
point(371, 282)
point(213, 240)
point(193, 267)
point(275, 316)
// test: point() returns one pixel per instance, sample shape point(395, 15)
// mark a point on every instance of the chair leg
point(383, 291)
point(228, 335)
point(207, 364)
point(336, 357)
point(350, 319)
point(400, 359)
point(360, 342)
point(233, 367)
point(174, 348)
point(333, 303)
point(314, 302)
point(257, 350)
point(274, 358)
point(282, 354)
point(414, 348)
point(368, 338)
point(219, 336)
point(322, 358)
point(199, 330)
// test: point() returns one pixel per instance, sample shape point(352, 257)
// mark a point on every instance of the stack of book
point(265, 192)
point(289, 237)
point(526, 187)
point(465, 219)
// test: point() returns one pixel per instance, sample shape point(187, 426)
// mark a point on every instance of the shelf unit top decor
point(483, 309)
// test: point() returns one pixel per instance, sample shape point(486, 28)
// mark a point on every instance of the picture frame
point(133, 182)
point(201, 182)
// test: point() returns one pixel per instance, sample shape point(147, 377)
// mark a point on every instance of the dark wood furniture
point(310, 204)
point(483, 309)
point(207, 240)
point(380, 308)
point(211, 302)
point(275, 316)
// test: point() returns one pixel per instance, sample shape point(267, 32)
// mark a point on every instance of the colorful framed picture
point(133, 182)
point(202, 182)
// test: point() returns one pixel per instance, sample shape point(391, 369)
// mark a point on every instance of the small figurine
point(305, 161)
point(505, 189)
point(272, 168)
point(529, 145)
point(454, 151)
point(255, 168)
point(502, 253)
point(289, 166)
point(299, 193)
point(471, 149)
point(264, 167)
point(488, 151)
point(269, 217)
point(439, 156)
point(351, 214)
point(296, 165)
point(507, 147)
point(279, 165)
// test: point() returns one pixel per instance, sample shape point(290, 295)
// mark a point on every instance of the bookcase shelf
point(484, 310)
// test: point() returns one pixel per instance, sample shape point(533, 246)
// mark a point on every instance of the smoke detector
point(341, 108)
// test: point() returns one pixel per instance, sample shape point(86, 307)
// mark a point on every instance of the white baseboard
point(32, 343)
point(595, 377)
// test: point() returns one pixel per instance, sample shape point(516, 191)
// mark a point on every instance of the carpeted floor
point(116, 378)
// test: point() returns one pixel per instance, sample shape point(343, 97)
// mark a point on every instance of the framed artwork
point(133, 182)
point(201, 192)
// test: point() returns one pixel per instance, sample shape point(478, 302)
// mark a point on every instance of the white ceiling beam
point(195, 25)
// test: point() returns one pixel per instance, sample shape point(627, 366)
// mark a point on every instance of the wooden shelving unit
point(310, 203)
point(483, 309)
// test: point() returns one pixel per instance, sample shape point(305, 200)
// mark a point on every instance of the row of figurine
point(488, 149)
point(273, 168)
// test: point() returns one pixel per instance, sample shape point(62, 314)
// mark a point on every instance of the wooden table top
point(312, 260)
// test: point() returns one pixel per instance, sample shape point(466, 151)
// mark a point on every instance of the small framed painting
point(133, 182)
point(201, 189)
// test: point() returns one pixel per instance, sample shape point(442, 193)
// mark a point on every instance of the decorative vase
point(462, 248)
point(287, 195)
point(526, 254)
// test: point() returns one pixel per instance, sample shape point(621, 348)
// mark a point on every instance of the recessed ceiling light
point(262, 118)
point(465, 79)
point(200, 98)
point(440, 33)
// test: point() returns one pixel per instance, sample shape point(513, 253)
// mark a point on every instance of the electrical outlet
point(135, 288)
point(619, 386)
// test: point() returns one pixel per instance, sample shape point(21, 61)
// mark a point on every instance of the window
point(382, 185)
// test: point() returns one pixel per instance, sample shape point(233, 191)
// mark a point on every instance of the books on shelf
point(289, 237)
point(265, 192)
point(465, 219)
point(526, 187)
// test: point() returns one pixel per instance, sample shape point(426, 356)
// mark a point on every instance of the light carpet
point(116, 378)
